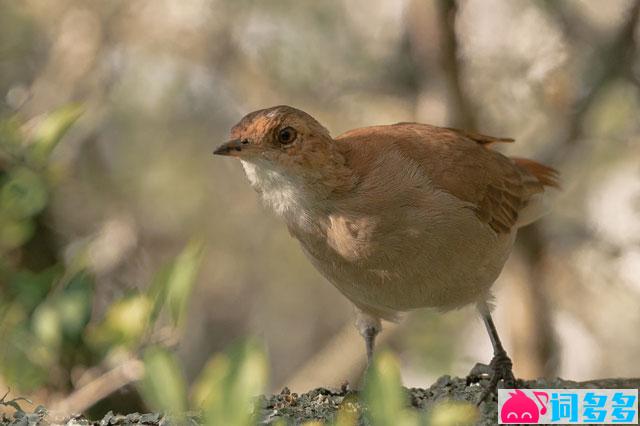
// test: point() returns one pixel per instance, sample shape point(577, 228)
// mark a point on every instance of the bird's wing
point(460, 163)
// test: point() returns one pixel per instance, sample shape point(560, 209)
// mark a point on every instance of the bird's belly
point(420, 277)
point(445, 265)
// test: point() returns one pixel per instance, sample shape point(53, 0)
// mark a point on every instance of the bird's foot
point(499, 369)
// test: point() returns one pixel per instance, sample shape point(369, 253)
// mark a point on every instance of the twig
point(81, 399)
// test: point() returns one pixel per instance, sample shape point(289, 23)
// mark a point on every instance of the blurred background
point(111, 199)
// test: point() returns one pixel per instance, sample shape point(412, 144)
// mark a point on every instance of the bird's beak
point(232, 148)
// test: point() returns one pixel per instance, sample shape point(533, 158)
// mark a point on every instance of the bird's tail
point(545, 175)
point(545, 185)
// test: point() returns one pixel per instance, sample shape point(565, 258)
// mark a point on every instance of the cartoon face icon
point(519, 408)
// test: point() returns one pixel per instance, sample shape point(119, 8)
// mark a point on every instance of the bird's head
point(287, 141)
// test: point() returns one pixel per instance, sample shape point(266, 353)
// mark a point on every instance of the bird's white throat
point(279, 191)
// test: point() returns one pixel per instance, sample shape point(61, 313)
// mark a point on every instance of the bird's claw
point(499, 369)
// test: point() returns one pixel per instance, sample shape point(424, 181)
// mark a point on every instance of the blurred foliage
point(49, 131)
point(124, 324)
point(46, 323)
point(164, 386)
point(26, 179)
point(226, 391)
point(230, 384)
point(386, 400)
point(454, 413)
point(383, 394)
point(174, 283)
point(129, 320)
point(43, 312)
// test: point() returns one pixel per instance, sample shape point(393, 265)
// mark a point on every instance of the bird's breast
point(427, 254)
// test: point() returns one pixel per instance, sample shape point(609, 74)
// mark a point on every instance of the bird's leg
point(500, 367)
point(369, 327)
point(369, 335)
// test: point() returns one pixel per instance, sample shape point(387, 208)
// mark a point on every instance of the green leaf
point(51, 130)
point(24, 360)
point(11, 145)
point(66, 313)
point(158, 290)
point(384, 397)
point(454, 413)
point(229, 384)
point(29, 289)
point(125, 322)
point(46, 326)
point(163, 386)
point(74, 305)
point(208, 386)
point(14, 233)
point(23, 195)
point(173, 284)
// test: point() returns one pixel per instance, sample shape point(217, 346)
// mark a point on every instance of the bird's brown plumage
point(458, 162)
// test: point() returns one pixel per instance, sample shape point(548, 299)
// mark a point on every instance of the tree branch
point(120, 376)
point(608, 62)
point(461, 107)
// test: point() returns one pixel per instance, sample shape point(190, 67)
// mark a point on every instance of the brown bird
point(396, 217)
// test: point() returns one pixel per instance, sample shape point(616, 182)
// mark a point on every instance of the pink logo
point(519, 408)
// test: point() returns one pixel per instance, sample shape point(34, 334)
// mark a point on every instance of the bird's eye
point(286, 135)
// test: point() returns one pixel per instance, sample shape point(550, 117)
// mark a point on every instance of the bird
point(397, 217)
